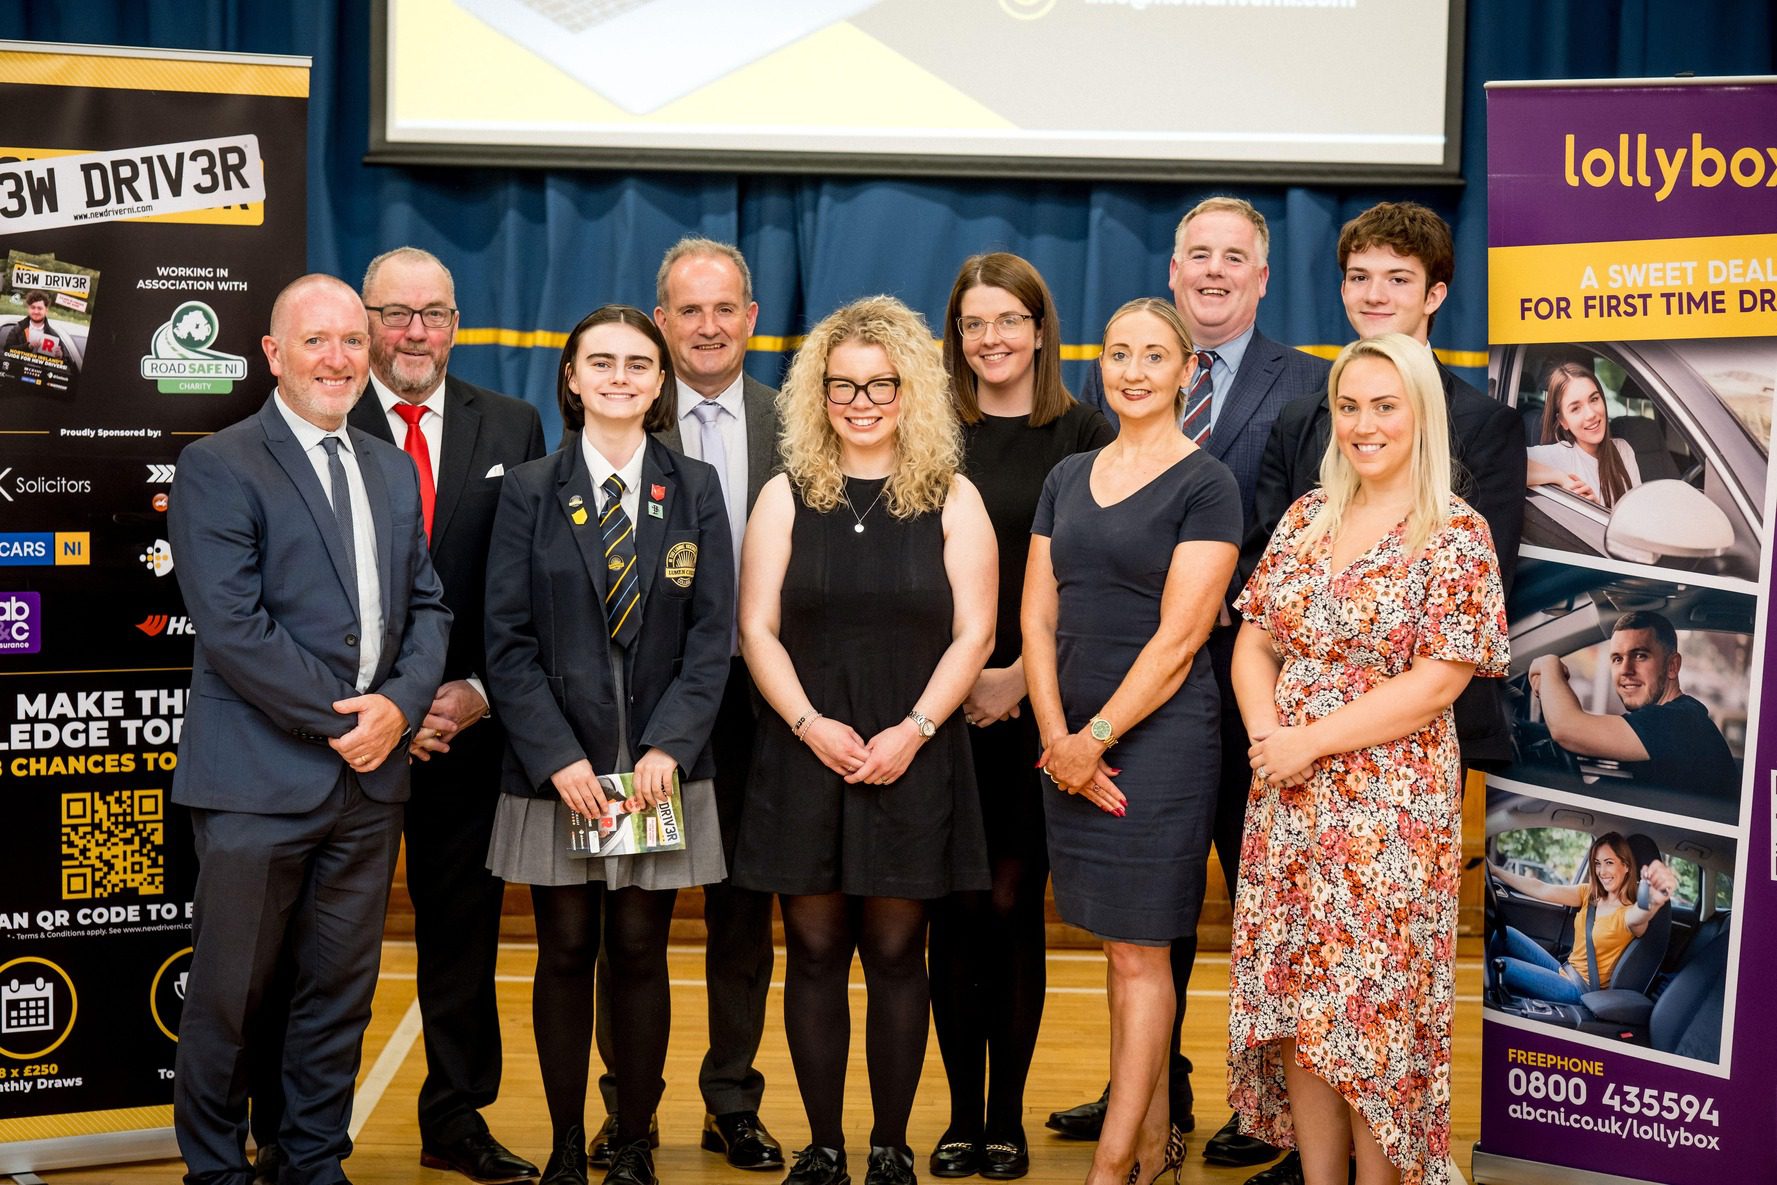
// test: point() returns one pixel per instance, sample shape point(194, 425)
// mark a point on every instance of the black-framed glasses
point(399, 316)
point(881, 392)
point(1009, 324)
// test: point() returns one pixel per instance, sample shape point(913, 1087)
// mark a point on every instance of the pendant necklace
point(858, 525)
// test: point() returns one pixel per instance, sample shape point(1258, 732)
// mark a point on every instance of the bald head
point(298, 289)
point(319, 349)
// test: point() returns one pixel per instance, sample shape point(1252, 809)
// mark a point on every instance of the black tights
point(888, 933)
point(989, 973)
point(636, 923)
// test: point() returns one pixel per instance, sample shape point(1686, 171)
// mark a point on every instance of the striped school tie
point(1198, 401)
point(619, 537)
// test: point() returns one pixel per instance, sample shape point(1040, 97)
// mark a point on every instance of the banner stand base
point(22, 1158)
point(1489, 1169)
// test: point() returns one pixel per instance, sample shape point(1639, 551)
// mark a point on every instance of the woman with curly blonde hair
point(868, 582)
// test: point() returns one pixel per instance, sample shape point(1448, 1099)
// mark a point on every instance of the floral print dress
point(1345, 917)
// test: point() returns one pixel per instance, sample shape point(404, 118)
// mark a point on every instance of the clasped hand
point(877, 762)
point(1076, 764)
point(455, 707)
point(377, 731)
point(1282, 756)
point(650, 785)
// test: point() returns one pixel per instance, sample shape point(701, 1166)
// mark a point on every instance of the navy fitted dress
point(1138, 878)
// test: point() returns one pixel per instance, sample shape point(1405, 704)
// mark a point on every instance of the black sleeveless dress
point(865, 618)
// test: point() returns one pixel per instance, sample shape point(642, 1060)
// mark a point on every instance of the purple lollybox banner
point(1700, 159)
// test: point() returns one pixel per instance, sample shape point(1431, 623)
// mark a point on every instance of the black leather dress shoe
point(632, 1164)
point(742, 1139)
point(598, 1156)
point(1228, 1146)
point(890, 1166)
point(1005, 1161)
point(567, 1164)
point(267, 1162)
point(479, 1157)
point(816, 1165)
point(1288, 1171)
point(1082, 1122)
point(954, 1158)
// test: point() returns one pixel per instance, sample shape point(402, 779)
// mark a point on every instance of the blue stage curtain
point(536, 249)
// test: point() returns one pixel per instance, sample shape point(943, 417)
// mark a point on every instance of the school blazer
point(548, 666)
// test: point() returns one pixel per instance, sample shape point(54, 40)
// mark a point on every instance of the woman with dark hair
point(1606, 902)
point(1131, 551)
point(866, 614)
point(1002, 349)
point(610, 610)
point(1578, 453)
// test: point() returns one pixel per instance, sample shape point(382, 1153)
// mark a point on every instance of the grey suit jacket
point(760, 402)
point(262, 565)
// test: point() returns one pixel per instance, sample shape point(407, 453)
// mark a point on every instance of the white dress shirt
point(630, 474)
point(732, 425)
point(431, 424)
point(370, 596)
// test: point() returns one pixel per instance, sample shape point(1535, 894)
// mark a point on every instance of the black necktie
point(620, 564)
point(342, 508)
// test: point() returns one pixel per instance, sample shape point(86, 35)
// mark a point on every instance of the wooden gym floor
point(1070, 1067)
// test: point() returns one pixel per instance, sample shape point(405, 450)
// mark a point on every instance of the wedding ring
point(1264, 774)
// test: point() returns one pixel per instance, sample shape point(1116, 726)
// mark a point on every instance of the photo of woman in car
point(1614, 915)
point(1577, 452)
point(1608, 924)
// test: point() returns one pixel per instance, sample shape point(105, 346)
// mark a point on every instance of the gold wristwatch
point(1101, 731)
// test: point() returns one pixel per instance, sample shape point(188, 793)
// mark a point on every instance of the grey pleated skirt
point(530, 840)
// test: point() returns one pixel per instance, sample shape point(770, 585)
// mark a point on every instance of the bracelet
point(803, 723)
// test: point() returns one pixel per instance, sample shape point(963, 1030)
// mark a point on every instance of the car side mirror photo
point(1666, 518)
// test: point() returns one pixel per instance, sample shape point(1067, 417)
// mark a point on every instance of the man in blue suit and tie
point(321, 640)
point(1218, 274)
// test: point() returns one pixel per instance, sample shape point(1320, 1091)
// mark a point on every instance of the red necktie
point(416, 447)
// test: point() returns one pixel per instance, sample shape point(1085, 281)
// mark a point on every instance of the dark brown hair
point(1613, 477)
point(1620, 848)
point(665, 408)
point(1015, 275)
point(1406, 228)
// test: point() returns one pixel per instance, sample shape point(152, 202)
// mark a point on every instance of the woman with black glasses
point(867, 594)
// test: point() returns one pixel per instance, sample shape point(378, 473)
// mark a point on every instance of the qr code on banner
point(112, 842)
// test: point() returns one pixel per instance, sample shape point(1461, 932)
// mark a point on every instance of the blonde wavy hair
point(928, 438)
point(1431, 445)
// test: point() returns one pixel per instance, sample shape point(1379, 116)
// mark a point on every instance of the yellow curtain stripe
point(211, 78)
point(544, 339)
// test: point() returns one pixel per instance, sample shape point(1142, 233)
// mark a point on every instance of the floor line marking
point(388, 1064)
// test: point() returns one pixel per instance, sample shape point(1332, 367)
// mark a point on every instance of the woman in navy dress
point(1131, 553)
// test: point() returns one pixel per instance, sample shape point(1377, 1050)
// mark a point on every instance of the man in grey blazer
point(321, 640)
point(1218, 274)
point(706, 311)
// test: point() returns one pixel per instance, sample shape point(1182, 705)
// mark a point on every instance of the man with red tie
point(462, 438)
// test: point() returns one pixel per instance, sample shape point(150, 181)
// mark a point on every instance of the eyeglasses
point(881, 392)
point(399, 316)
point(1007, 323)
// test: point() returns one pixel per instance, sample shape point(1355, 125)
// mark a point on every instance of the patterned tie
point(620, 564)
point(342, 507)
point(1199, 399)
point(416, 447)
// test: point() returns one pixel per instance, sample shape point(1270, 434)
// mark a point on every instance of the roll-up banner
point(151, 206)
point(1632, 897)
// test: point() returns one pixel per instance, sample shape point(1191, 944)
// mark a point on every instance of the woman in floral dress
point(1376, 601)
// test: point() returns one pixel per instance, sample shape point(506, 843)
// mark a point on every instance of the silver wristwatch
point(925, 726)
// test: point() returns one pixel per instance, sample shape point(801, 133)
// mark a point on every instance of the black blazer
point(547, 640)
point(1487, 451)
point(484, 435)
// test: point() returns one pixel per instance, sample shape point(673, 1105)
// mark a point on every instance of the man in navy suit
point(321, 641)
point(463, 439)
point(1218, 275)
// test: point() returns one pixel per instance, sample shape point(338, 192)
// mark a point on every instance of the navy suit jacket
point(549, 673)
point(1487, 464)
point(262, 566)
point(484, 434)
point(1271, 375)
